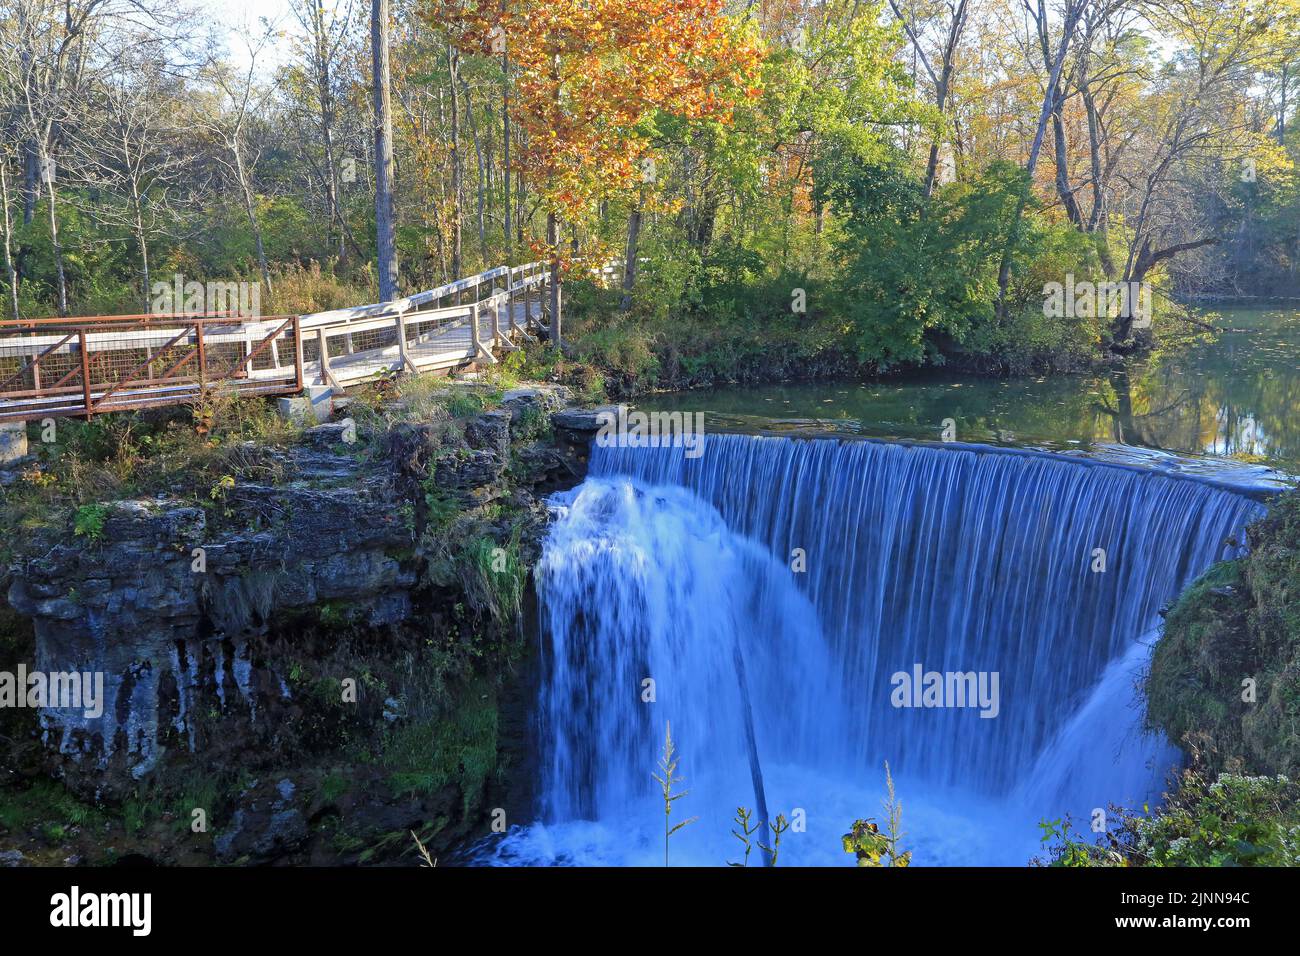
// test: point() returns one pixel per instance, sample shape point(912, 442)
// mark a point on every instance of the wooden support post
point(510, 300)
point(402, 358)
point(297, 352)
point(85, 370)
point(481, 354)
point(504, 340)
point(324, 356)
point(203, 359)
point(555, 324)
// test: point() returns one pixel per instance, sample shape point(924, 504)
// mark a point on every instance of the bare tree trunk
point(325, 96)
point(481, 192)
point(1063, 190)
point(1099, 218)
point(457, 187)
point(629, 264)
point(9, 261)
point(250, 210)
point(505, 138)
point(142, 243)
point(384, 212)
point(1070, 21)
point(941, 89)
point(54, 243)
point(29, 183)
point(553, 240)
point(1281, 110)
point(521, 193)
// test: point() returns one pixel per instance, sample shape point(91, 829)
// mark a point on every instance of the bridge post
point(554, 324)
point(203, 358)
point(297, 352)
point(510, 300)
point(402, 359)
point(85, 370)
point(324, 355)
point(481, 354)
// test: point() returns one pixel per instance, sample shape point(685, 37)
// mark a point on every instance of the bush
point(923, 288)
point(1233, 821)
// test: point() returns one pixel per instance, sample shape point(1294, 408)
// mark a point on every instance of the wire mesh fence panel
point(85, 368)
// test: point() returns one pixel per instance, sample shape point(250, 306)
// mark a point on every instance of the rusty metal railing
point(85, 367)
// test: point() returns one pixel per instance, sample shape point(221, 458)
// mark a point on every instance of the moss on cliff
point(1225, 678)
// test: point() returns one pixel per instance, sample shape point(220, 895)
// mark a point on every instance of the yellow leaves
point(587, 73)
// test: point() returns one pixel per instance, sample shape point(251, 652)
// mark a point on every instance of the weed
point(667, 779)
point(88, 521)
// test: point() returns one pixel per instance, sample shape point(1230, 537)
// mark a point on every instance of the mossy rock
point(1225, 677)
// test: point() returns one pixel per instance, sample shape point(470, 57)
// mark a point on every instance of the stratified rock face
point(171, 612)
point(181, 608)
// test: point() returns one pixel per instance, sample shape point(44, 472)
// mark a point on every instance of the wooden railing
point(87, 366)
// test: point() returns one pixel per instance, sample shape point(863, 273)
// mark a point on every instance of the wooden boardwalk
point(88, 366)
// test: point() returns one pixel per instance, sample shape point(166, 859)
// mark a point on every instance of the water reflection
point(1235, 395)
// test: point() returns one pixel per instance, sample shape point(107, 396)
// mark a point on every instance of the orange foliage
point(587, 74)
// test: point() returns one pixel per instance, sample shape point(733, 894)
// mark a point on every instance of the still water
point(1233, 395)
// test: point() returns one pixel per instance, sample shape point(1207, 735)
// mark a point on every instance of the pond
point(1233, 396)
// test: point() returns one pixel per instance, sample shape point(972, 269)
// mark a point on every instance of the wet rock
point(544, 466)
point(180, 606)
point(11, 858)
point(171, 609)
point(489, 432)
point(268, 824)
point(342, 432)
point(463, 470)
point(543, 398)
point(586, 420)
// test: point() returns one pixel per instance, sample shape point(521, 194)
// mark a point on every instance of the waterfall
point(831, 567)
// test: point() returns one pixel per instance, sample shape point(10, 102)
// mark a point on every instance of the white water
point(950, 559)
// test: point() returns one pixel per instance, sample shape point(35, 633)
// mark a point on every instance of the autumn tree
point(588, 76)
